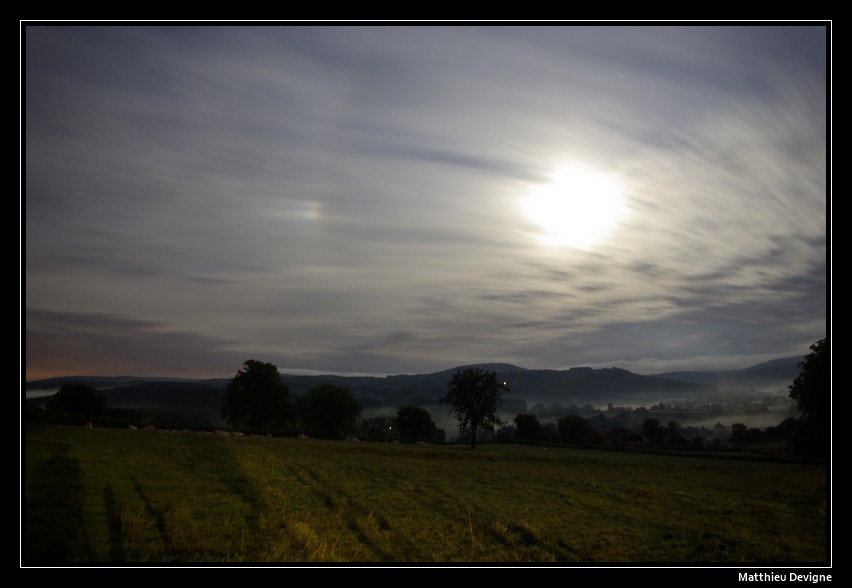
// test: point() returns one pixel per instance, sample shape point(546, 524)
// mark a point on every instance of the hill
point(770, 375)
point(200, 400)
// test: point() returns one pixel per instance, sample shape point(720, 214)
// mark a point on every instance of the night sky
point(406, 199)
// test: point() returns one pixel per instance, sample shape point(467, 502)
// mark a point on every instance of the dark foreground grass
point(103, 495)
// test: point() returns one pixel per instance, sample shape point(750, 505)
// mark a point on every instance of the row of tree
point(570, 429)
point(329, 412)
point(258, 400)
point(410, 424)
point(475, 397)
point(78, 399)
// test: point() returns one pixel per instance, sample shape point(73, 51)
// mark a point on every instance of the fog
point(756, 409)
point(441, 415)
point(753, 420)
point(41, 393)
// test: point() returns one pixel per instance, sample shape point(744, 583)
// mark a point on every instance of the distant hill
point(556, 386)
point(202, 399)
point(770, 375)
point(97, 382)
point(188, 401)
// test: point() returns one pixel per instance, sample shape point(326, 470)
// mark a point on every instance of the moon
point(578, 208)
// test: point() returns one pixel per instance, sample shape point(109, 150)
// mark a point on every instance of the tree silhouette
point(257, 399)
point(79, 399)
point(738, 434)
point(528, 428)
point(378, 428)
point(474, 397)
point(414, 424)
point(575, 430)
point(673, 434)
point(811, 390)
point(653, 431)
point(328, 412)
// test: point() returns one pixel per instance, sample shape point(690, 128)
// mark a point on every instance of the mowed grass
point(107, 495)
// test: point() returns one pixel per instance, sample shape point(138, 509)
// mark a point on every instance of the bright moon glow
point(579, 208)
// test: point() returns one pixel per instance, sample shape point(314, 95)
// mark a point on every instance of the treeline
point(332, 412)
point(576, 430)
point(257, 401)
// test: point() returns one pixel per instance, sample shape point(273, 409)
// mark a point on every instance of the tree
point(328, 412)
point(378, 428)
point(528, 428)
point(79, 399)
point(474, 397)
point(575, 430)
point(257, 399)
point(414, 424)
point(738, 434)
point(653, 431)
point(811, 390)
point(673, 434)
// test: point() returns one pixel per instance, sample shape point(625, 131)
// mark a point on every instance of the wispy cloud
point(349, 198)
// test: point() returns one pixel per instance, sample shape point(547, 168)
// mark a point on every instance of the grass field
point(110, 495)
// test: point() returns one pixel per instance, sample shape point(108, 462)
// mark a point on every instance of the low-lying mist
point(755, 410)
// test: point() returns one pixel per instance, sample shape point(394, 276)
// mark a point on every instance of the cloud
point(337, 197)
point(68, 343)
